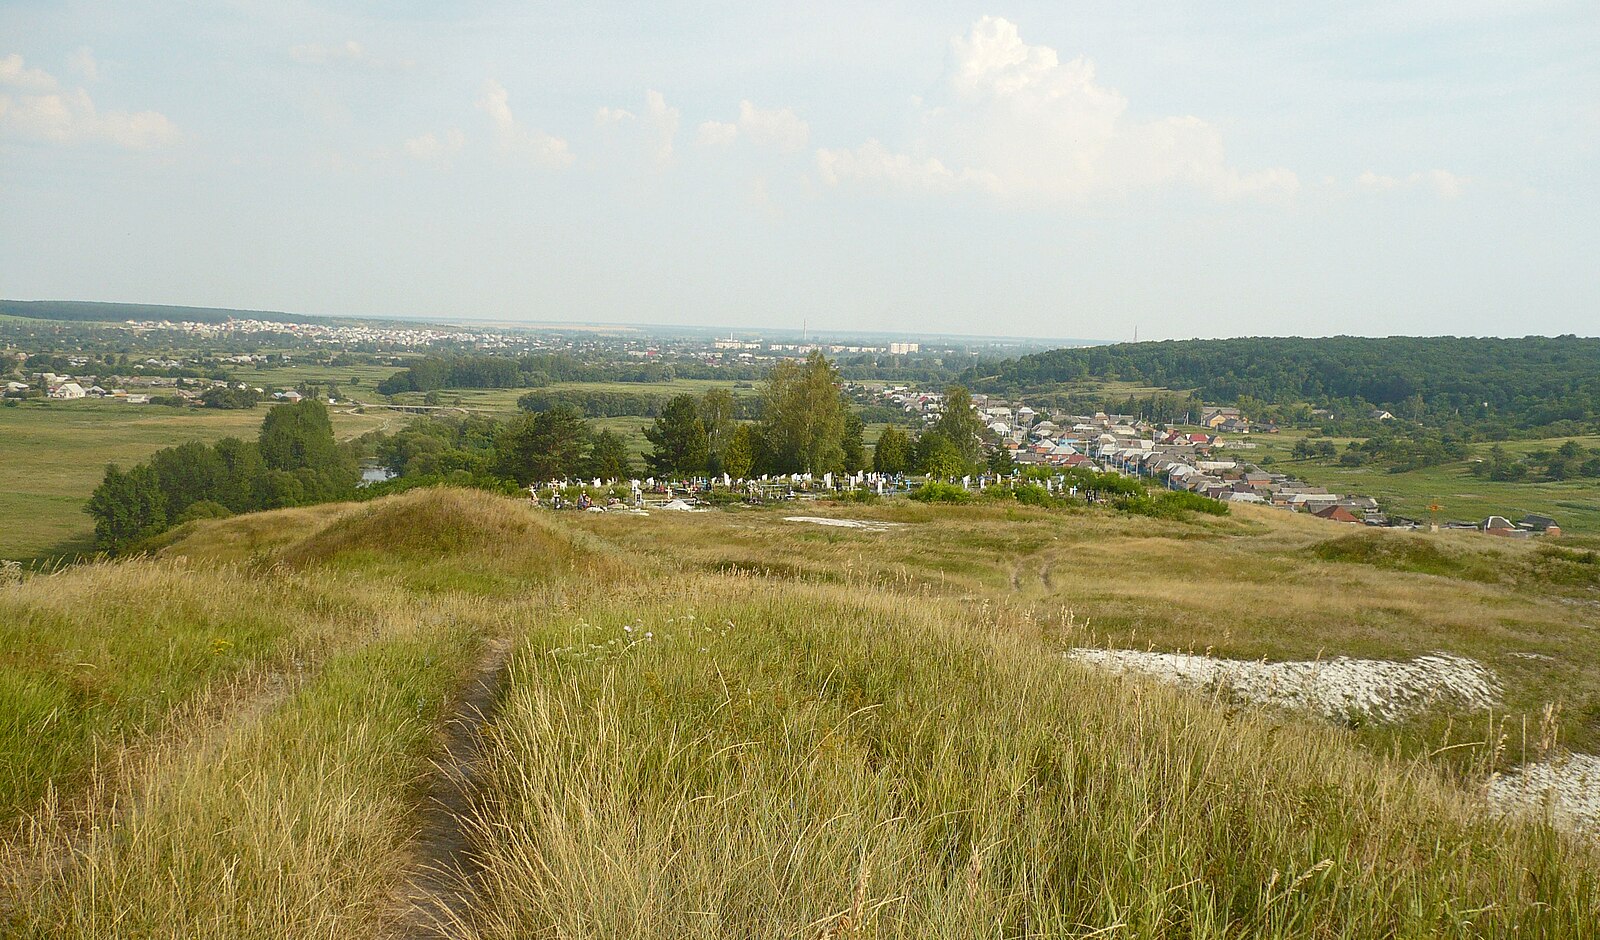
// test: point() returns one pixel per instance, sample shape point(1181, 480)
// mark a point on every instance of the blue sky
point(1044, 169)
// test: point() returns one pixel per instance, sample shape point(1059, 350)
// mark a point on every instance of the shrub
point(204, 509)
point(935, 492)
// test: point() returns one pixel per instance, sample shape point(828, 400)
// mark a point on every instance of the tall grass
point(872, 736)
point(289, 824)
point(741, 758)
point(247, 766)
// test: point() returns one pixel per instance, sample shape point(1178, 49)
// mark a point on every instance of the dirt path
point(436, 889)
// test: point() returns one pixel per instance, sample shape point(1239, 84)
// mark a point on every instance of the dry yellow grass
point(827, 733)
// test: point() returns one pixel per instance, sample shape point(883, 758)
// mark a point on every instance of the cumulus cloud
point(1015, 121)
point(1442, 183)
point(658, 123)
point(43, 112)
point(14, 73)
point(716, 134)
point(513, 138)
point(780, 128)
point(436, 148)
point(776, 127)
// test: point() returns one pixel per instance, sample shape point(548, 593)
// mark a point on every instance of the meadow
point(1451, 486)
point(729, 724)
point(53, 455)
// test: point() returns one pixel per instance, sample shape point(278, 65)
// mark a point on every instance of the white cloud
point(662, 122)
point(780, 128)
point(872, 162)
point(515, 139)
point(716, 134)
point(659, 123)
point(15, 74)
point(70, 117)
point(1018, 123)
point(84, 64)
point(1443, 183)
point(434, 148)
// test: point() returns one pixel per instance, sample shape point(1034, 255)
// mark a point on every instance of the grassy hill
point(730, 724)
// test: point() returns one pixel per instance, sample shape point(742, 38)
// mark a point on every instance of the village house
point(1217, 417)
point(1336, 513)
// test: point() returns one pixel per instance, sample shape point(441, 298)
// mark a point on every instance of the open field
point(1452, 487)
point(53, 455)
point(356, 380)
point(505, 399)
point(727, 724)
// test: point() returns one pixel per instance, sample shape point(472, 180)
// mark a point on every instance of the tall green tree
point(716, 414)
point(740, 456)
point(127, 506)
point(188, 473)
point(803, 419)
point(961, 425)
point(538, 447)
point(298, 439)
point(892, 454)
point(239, 482)
point(608, 457)
point(852, 443)
point(680, 445)
point(298, 436)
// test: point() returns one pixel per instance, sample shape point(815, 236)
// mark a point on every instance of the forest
point(1495, 386)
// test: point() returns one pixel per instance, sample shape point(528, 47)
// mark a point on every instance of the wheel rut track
point(436, 893)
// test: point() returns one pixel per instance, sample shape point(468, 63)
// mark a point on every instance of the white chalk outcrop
point(1339, 688)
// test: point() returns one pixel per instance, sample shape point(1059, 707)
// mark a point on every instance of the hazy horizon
point(1021, 171)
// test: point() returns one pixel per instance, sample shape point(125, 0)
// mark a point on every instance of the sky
point(1045, 169)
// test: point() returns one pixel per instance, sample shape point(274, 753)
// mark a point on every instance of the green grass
point(505, 399)
point(53, 455)
point(1460, 495)
point(358, 381)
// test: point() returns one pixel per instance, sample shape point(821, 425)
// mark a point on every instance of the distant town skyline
point(1030, 170)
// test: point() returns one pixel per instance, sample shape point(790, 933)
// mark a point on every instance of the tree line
point(294, 461)
point(540, 369)
point(606, 403)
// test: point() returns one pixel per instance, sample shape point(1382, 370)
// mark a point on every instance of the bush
point(935, 492)
point(204, 509)
point(1169, 504)
point(1032, 494)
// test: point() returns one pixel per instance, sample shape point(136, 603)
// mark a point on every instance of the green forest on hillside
point(1491, 384)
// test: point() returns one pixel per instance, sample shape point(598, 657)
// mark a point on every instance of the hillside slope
point(1530, 381)
point(732, 724)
